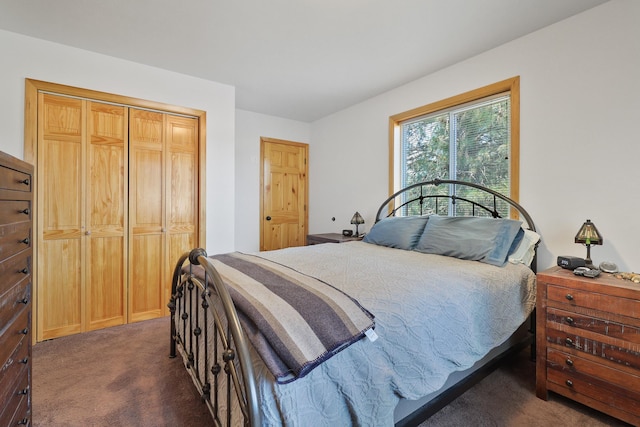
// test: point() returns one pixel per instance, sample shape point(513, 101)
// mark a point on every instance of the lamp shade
point(588, 234)
point(357, 219)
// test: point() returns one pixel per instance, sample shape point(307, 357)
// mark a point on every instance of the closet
point(118, 200)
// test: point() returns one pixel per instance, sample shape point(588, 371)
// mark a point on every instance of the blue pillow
point(482, 239)
point(400, 232)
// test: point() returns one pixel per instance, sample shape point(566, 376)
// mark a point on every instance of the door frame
point(34, 87)
point(263, 141)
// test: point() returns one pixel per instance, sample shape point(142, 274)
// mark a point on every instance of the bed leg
point(172, 337)
point(532, 329)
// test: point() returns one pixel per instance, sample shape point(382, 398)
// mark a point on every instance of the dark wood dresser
point(16, 199)
point(588, 341)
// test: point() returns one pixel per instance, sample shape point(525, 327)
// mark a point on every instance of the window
point(471, 137)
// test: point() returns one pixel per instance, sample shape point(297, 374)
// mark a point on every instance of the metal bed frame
point(223, 374)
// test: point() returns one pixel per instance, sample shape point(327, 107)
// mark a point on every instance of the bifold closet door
point(147, 220)
point(163, 205)
point(182, 193)
point(82, 201)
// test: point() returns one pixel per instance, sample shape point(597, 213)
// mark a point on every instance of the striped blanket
point(294, 321)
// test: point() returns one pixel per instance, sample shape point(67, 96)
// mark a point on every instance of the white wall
point(249, 128)
point(580, 102)
point(25, 57)
point(579, 99)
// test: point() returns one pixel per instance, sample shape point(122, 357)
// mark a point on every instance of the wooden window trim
point(511, 85)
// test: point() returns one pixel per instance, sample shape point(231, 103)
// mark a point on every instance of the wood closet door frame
point(34, 87)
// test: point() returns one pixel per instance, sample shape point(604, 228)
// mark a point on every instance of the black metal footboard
point(206, 331)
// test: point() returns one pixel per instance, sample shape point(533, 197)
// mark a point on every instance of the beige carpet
point(122, 376)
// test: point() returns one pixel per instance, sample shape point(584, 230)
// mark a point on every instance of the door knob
point(268, 218)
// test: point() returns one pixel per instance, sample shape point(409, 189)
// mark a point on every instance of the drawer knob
point(23, 422)
point(25, 360)
point(24, 301)
point(569, 297)
point(569, 383)
point(25, 270)
point(568, 341)
point(26, 211)
point(25, 241)
point(23, 391)
point(25, 181)
point(569, 362)
point(570, 320)
point(25, 331)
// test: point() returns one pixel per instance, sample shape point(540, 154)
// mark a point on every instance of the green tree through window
point(467, 141)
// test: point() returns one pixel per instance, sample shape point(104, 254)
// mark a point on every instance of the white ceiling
point(298, 59)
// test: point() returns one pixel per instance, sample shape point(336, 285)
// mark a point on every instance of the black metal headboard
point(453, 198)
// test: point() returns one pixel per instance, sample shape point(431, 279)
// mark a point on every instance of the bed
point(439, 291)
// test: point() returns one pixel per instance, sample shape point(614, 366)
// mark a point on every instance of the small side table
point(587, 338)
point(315, 239)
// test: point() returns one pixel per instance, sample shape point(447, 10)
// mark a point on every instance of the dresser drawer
point(14, 365)
point(12, 211)
point(14, 269)
point(593, 300)
point(11, 179)
point(14, 333)
point(575, 321)
point(15, 409)
point(14, 238)
point(16, 383)
point(22, 415)
point(14, 300)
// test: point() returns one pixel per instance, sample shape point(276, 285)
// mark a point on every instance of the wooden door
point(82, 203)
point(164, 205)
point(146, 214)
point(61, 223)
point(106, 206)
point(284, 193)
point(182, 193)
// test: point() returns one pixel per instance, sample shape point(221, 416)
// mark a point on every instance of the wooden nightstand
point(314, 239)
point(588, 341)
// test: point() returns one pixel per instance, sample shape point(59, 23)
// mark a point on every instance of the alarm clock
point(570, 262)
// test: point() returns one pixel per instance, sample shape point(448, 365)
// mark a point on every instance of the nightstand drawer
point(593, 300)
point(584, 387)
point(572, 367)
point(613, 351)
point(575, 322)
